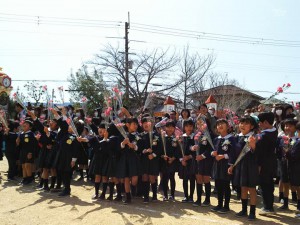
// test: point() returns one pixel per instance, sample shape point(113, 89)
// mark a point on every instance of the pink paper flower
point(288, 84)
point(279, 90)
point(45, 88)
point(84, 99)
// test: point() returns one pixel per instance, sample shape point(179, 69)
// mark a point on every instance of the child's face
point(26, 127)
point(53, 125)
point(290, 129)
point(170, 130)
point(146, 126)
point(200, 124)
point(245, 127)
point(101, 132)
point(189, 128)
point(222, 129)
point(132, 127)
point(185, 114)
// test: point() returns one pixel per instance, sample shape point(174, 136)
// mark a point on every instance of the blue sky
point(41, 51)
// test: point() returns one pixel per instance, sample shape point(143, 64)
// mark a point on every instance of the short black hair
point(186, 110)
point(102, 125)
point(290, 122)
point(13, 125)
point(249, 119)
point(132, 120)
point(170, 123)
point(188, 122)
point(204, 105)
point(222, 121)
point(266, 116)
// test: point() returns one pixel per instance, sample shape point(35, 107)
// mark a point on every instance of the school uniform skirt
point(150, 167)
point(246, 172)
point(294, 171)
point(220, 170)
point(46, 158)
point(204, 167)
point(96, 164)
point(129, 164)
point(188, 171)
point(283, 171)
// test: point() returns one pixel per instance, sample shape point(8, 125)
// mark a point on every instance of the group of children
point(134, 160)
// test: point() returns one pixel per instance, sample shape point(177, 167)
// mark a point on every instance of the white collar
point(247, 135)
point(226, 137)
point(269, 130)
point(190, 136)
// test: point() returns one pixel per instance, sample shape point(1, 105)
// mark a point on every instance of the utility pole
point(127, 27)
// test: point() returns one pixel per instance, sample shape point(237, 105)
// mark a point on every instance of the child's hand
point(214, 153)
point(183, 162)
point(230, 169)
point(150, 157)
point(29, 156)
point(252, 142)
point(199, 157)
point(219, 157)
point(186, 157)
point(126, 141)
point(165, 157)
point(194, 148)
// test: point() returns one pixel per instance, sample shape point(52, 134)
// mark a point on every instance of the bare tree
point(35, 91)
point(148, 67)
point(193, 68)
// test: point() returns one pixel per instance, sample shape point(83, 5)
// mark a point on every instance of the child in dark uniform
point(224, 155)
point(129, 167)
point(186, 168)
point(97, 160)
point(246, 170)
point(27, 144)
point(203, 167)
point(150, 160)
point(111, 151)
point(10, 136)
point(286, 142)
point(47, 155)
point(170, 157)
point(67, 152)
point(293, 157)
point(265, 150)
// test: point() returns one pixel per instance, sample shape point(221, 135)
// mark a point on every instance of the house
point(228, 96)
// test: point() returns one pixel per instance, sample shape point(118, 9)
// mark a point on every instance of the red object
point(210, 99)
point(279, 90)
point(169, 101)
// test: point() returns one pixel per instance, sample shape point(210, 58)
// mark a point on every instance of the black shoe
point(283, 207)
point(46, 189)
point(110, 198)
point(197, 203)
point(251, 217)
point(127, 201)
point(154, 199)
point(224, 210)
point(95, 197)
point(64, 194)
point(191, 200)
point(165, 199)
point(102, 197)
point(146, 200)
point(56, 189)
point(241, 214)
point(184, 200)
point(22, 181)
point(216, 208)
point(172, 198)
point(118, 198)
point(206, 203)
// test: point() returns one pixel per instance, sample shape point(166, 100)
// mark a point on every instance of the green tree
point(88, 84)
